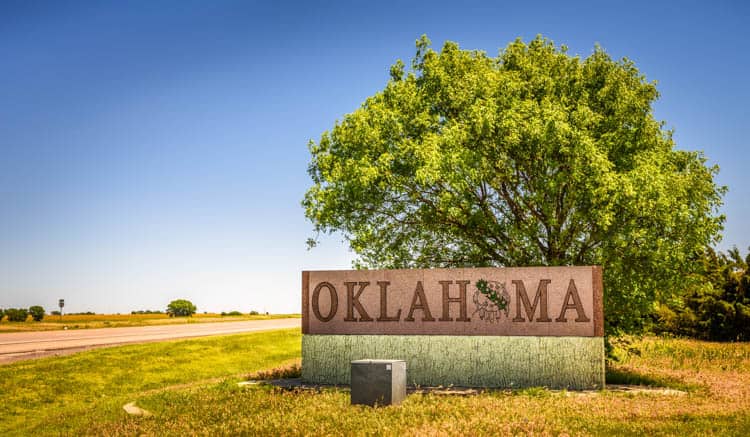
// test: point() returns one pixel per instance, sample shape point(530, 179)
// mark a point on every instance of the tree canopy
point(37, 313)
point(533, 157)
point(181, 308)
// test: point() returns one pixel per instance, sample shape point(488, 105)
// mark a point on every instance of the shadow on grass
point(625, 376)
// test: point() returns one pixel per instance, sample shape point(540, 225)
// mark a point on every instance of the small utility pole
point(61, 302)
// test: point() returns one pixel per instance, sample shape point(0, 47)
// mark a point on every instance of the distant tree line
point(238, 313)
point(231, 313)
point(22, 314)
point(176, 308)
point(15, 314)
point(84, 313)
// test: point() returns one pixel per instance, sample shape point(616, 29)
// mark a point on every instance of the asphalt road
point(17, 346)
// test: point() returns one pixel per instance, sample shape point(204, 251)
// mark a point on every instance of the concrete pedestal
point(573, 363)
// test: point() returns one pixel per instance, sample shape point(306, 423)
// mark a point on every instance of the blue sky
point(158, 150)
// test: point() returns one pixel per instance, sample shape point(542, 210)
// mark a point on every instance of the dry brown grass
point(289, 370)
point(88, 321)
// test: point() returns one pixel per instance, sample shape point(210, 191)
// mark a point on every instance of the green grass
point(95, 385)
point(59, 394)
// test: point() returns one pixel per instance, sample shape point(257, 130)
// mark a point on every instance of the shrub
point(254, 313)
point(292, 370)
point(37, 313)
point(56, 313)
point(2, 314)
point(181, 308)
point(716, 304)
point(16, 314)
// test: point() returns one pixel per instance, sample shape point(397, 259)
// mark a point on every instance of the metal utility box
point(381, 382)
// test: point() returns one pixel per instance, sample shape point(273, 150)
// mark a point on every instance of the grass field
point(70, 394)
point(190, 387)
point(84, 321)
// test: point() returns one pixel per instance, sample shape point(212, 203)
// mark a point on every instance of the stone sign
point(505, 327)
point(558, 301)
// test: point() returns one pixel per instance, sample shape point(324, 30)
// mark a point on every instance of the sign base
point(467, 361)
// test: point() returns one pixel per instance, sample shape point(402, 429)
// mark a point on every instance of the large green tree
point(533, 157)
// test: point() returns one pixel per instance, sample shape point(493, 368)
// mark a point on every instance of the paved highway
point(25, 345)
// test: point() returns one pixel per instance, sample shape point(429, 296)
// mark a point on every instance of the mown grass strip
point(56, 394)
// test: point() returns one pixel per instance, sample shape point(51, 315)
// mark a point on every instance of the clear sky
point(157, 150)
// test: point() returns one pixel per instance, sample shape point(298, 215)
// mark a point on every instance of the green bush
point(37, 313)
point(181, 308)
point(16, 314)
point(716, 304)
point(2, 314)
point(254, 313)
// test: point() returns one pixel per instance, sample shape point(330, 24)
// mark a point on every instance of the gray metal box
point(381, 382)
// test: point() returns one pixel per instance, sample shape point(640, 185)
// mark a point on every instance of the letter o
point(334, 301)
